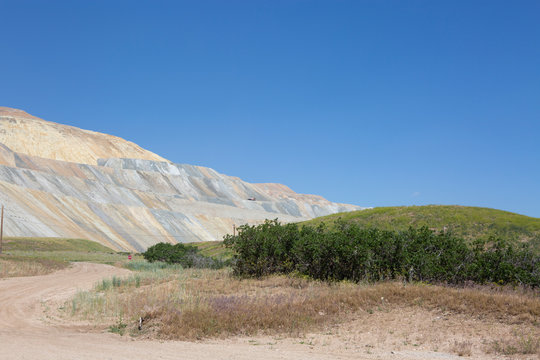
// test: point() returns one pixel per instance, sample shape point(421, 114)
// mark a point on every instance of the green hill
point(27, 256)
point(59, 249)
point(214, 249)
point(463, 221)
point(53, 244)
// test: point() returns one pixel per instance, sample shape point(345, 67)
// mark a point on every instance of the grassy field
point(24, 256)
point(194, 304)
point(28, 256)
point(12, 266)
point(36, 244)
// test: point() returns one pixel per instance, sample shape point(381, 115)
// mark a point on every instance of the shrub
point(263, 249)
point(349, 252)
point(185, 255)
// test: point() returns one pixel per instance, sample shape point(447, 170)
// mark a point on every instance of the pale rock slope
point(61, 181)
point(27, 134)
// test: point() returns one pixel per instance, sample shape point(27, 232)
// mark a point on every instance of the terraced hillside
point(61, 181)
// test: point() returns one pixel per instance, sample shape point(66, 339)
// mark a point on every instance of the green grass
point(214, 249)
point(71, 256)
point(53, 244)
point(145, 273)
point(60, 250)
point(143, 265)
point(87, 303)
point(463, 221)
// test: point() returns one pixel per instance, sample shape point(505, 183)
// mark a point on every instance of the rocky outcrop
point(131, 201)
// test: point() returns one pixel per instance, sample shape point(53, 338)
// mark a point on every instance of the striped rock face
point(61, 181)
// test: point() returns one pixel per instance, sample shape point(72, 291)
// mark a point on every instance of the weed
point(118, 328)
point(462, 348)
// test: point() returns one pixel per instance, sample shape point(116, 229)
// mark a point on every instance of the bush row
point(349, 252)
point(186, 255)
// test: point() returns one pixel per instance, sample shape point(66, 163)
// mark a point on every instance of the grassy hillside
point(214, 249)
point(53, 244)
point(23, 256)
point(463, 221)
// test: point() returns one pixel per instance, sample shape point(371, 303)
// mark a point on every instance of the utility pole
point(1, 228)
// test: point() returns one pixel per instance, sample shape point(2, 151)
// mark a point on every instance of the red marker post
point(129, 256)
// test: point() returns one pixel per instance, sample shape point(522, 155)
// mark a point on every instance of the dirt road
point(26, 332)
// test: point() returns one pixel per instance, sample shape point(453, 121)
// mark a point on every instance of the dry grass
point(196, 304)
point(516, 344)
point(21, 266)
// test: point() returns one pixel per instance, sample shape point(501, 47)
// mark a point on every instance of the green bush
point(185, 255)
point(350, 252)
point(264, 249)
point(501, 262)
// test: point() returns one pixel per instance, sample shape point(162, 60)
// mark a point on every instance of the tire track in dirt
point(21, 298)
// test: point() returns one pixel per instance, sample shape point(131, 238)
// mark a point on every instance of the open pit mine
point(61, 181)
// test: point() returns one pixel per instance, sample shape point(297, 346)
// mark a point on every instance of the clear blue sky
point(374, 103)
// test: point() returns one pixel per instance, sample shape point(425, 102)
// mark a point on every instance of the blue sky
point(375, 103)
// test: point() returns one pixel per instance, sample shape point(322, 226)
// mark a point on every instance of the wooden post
point(1, 228)
point(233, 230)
